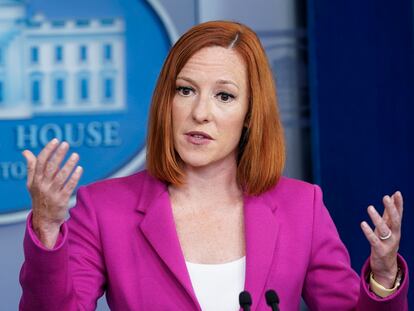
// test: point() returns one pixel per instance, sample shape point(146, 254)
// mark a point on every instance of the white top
point(217, 286)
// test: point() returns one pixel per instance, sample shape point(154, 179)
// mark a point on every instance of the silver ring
point(386, 237)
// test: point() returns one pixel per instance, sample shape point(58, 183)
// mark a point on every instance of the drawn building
point(59, 66)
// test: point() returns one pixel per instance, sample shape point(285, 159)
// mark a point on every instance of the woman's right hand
point(50, 188)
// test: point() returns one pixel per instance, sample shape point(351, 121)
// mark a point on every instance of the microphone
point(272, 300)
point(245, 300)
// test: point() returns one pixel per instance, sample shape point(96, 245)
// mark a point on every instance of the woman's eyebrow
point(186, 79)
point(221, 81)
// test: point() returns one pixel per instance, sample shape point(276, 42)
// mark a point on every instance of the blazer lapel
point(159, 229)
point(261, 233)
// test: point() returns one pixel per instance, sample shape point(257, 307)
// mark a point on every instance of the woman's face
point(209, 107)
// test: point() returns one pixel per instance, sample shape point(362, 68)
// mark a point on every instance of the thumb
point(31, 166)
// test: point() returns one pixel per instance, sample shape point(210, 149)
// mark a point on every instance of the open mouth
point(198, 138)
point(199, 135)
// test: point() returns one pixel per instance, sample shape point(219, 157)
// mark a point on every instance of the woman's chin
point(196, 163)
point(198, 159)
point(213, 163)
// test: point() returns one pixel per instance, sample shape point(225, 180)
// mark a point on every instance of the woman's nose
point(201, 112)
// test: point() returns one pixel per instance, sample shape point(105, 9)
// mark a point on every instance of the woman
point(211, 216)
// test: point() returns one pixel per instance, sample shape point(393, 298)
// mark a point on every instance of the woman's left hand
point(385, 239)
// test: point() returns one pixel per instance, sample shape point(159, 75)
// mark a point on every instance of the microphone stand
point(272, 300)
point(245, 300)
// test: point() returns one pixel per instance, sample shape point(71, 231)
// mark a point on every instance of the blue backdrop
point(362, 97)
point(146, 45)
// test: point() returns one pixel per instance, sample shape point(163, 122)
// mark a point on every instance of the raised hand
point(50, 188)
point(385, 239)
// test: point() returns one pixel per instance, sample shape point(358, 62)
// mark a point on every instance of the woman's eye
point(184, 90)
point(225, 97)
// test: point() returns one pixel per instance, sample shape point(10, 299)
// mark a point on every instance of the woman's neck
point(210, 186)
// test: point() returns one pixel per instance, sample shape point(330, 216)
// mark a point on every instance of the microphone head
point(245, 299)
point(271, 297)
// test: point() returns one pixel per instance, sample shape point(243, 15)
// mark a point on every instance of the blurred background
point(84, 71)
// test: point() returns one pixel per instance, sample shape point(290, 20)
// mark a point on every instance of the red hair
point(261, 154)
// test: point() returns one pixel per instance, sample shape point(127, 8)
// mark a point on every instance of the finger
point(385, 216)
point(64, 173)
point(31, 164)
point(53, 164)
point(72, 182)
point(379, 223)
point(43, 156)
point(398, 200)
point(391, 211)
point(370, 235)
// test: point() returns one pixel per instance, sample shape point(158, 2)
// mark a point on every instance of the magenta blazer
point(121, 239)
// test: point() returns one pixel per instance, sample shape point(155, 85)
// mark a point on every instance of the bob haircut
point(261, 154)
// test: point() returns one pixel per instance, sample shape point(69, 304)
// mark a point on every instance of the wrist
point(380, 290)
point(46, 232)
point(386, 278)
point(44, 224)
point(385, 281)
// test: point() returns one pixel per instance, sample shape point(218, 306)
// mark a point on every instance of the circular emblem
point(82, 72)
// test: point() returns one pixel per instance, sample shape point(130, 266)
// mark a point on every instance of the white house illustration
point(59, 66)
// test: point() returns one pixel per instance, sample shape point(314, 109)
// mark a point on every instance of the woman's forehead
point(221, 63)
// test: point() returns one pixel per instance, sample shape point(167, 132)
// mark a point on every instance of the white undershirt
point(217, 286)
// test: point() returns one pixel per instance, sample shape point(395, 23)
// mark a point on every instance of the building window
point(83, 53)
point(36, 91)
point(36, 88)
point(58, 24)
point(107, 52)
point(83, 88)
point(1, 92)
point(34, 55)
point(107, 22)
point(59, 88)
point(82, 23)
point(108, 90)
point(59, 54)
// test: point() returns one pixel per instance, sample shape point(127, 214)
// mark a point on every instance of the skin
point(50, 188)
point(208, 209)
point(212, 97)
point(383, 259)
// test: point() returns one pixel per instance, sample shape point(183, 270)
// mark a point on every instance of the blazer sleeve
point(330, 282)
point(72, 275)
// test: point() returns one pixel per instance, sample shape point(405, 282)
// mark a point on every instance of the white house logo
point(84, 77)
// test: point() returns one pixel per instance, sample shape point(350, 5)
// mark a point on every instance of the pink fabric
point(121, 239)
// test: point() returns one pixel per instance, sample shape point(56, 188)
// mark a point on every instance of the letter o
point(18, 170)
point(49, 128)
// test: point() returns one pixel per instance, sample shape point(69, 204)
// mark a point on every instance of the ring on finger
point(386, 237)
